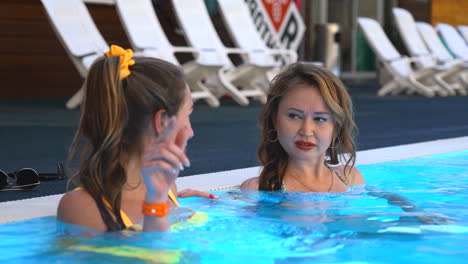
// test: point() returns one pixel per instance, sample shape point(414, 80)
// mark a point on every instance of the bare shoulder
point(79, 208)
point(353, 177)
point(251, 184)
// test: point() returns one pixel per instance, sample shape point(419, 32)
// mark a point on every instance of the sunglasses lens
point(27, 178)
point(60, 171)
point(3, 179)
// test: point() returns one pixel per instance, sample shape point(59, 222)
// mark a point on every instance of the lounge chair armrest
point(414, 63)
point(402, 58)
point(236, 51)
point(140, 53)
point(208, 49)
point(453, 63)
point(101, 2)
point(191, 50)
point(434, 58)
point(416, 59)
point(82, 55)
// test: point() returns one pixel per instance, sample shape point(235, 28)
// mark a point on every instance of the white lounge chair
point(399, 67)
point(440, 52)
point(445, 74)
point(78, 34)
point(147, 36)
point(243, 31)
point(464, 32)
point(238, 82)
point(454, 41)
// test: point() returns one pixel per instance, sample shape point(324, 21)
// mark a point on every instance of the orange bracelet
point(160, 209)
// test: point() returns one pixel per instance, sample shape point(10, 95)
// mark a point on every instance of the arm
point(190, 193)
point(163, 159)
point(394, 199)
point(408, 205)
point(251, 184)
point(153, 222)
point(404, 203)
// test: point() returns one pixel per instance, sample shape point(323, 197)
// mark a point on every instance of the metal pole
point(379, 6)
point(323, 12)
point(309, 36)
point(354, 15)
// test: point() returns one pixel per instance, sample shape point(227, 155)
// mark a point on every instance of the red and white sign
point(278, 21)
point(276, 10)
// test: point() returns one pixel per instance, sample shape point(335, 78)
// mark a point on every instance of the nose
point(191, 133)
point(307, 128)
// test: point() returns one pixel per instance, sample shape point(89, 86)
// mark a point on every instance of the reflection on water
point(261, 227)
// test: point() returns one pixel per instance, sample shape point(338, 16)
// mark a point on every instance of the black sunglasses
point(27, 178)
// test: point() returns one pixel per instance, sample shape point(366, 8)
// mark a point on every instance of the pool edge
point(13, 211)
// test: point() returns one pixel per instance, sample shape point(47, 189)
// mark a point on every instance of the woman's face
point(304, 123)
point(183, 131)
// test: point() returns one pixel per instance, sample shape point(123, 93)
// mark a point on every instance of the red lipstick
point(304, 145)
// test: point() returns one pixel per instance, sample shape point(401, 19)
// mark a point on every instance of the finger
point(179, 153)
point(167, 155)
point(159, 165)
point(191, 193)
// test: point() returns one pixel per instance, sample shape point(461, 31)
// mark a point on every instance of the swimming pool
point(286, 228)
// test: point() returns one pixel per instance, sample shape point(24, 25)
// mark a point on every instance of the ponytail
point(103, 119)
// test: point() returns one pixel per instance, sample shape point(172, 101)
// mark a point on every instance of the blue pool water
point(258, 227)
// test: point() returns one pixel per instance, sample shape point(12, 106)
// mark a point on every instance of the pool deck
point(47, 205)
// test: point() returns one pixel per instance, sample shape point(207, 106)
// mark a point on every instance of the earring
point(268, 137)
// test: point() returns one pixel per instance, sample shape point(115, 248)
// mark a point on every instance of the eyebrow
point(301, 111)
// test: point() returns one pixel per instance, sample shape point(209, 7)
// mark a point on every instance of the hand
point(189, 193)
point(162, 161)
point(436, 219)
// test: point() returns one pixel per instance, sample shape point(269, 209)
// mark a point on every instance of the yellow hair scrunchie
point(125, 59)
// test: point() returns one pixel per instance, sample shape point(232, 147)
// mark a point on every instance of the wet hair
point(271, 155)
point(115, 117)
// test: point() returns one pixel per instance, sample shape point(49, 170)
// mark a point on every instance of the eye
point(320, 119)
point(293, 116)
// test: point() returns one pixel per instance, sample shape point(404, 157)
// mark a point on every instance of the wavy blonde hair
point(115, 116)
point(272, 156)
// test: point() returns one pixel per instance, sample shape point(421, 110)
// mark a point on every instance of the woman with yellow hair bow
point(135, 125)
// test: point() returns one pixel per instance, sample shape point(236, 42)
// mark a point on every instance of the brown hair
point(115, 116)
point(272, 155)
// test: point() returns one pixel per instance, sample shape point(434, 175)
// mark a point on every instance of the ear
point(160, 121)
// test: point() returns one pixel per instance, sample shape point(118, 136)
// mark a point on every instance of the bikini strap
point(173, 197)
point(341, 178)
point(127, 222)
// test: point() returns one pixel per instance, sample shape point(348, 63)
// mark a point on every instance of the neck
point(135, 183)
point(313, 170)
point(308, 176)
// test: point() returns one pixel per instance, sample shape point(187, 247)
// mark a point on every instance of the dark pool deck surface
point(36, 133)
